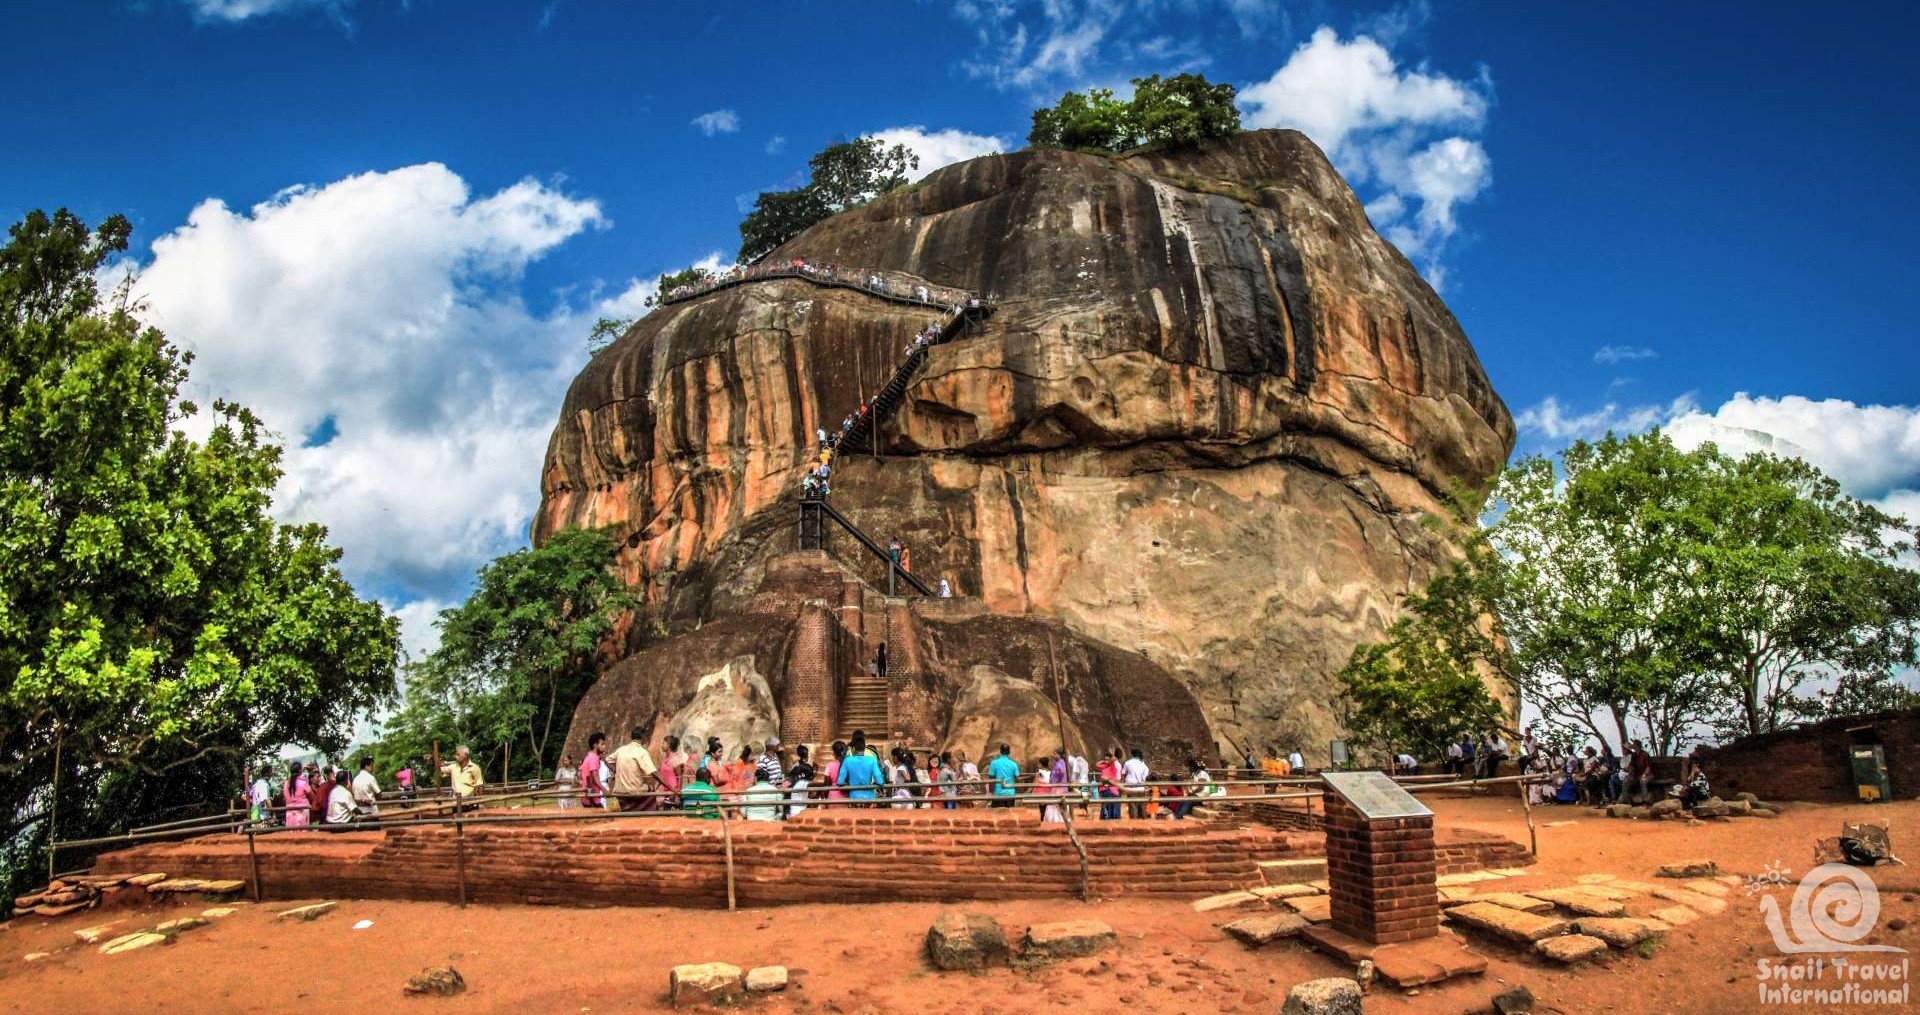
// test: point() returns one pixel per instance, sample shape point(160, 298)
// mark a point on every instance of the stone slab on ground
point(184, 923)
point(1706, 904)
point(1707, 886)
point(1069, 939)
point(93, 934)
point(35, 956)
point(1337, 944)
point(1676, 916)
point(1580, 902)
point(1636, 887)
point(1283, 891)
point(1456, 893)
point(1511, 924)
point(310, 912)
point(766, 979)
point(1617, 932)
point(1608, 892)
point(1508, 872)
point(961, 940)
point(1334, 995)
point(217, 912)
point(1568, 949)
point(143, 880)
point(130, 942)
point(1593, 879)
point(1688, 869)
point(703, 983)
point(1466, 878)
point(1511, 900)
point(1258, 931)
point(1225, 900)
point(1411, 964)
point(1315, 908)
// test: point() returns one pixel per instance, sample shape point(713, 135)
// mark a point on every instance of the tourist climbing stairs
point(864, 707)
point(817, 518)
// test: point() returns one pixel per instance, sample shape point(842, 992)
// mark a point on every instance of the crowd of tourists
point(313, 795)
point(1595, 776)
point(770, 784)
point(800, 267)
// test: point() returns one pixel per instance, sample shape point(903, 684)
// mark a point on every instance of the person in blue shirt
point(859, 771)
point(1003, 770)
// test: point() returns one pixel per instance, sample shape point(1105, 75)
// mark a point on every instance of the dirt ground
point(850, 959)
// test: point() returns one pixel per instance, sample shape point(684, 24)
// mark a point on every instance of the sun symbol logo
point(1774, 876)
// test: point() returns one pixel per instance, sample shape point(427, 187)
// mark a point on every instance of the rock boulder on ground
point(960, 940)
point(766, 979)
point(1665, 808)
point(703, 983)
point(1517, 1001)
point(1688, 868)
point(305, 913)
point(1069, 939)
point(1334, 995)
point(1512, 924)
point(436, 981)
point(1618, 932)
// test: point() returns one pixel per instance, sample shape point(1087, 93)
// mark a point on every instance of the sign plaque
point(1375, 796)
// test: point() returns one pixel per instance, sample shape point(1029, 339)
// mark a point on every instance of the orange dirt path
point(855, 960)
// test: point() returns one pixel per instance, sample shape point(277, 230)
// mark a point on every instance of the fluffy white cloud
point(720, 121)
point(1873, 450)
point(941, 147)
point(1608, 355)
point(1042, 46)
point(241, 10)
point(1402, 132)
point(377, 323)
point(1551, 421)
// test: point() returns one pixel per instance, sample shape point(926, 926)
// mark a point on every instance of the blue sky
point(388, 225)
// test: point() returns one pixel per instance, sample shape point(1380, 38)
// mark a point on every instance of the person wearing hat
point(768, 764)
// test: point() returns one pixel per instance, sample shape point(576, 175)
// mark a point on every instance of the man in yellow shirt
point(462, 774)
point(1273, 766)
point(634, 774)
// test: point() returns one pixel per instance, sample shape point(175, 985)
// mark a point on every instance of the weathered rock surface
point(1619, 932)
point(1570, 948)
point(436, 981)
point(1512, 924)
point(766, 979)
point(703, 983)
point(305, 913)
point(1688, 869)
point(1258, 931)
point(1068, 939)
point(1204, 422)
point(1334, 995)
point(1580, 902)
point(965, 941)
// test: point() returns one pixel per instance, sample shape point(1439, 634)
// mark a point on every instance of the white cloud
point(1403, 132)
point(720, 121)
point(1873, 450)
point(1552, 421)
point(418, 636)
point(1043, 46)
point(1608, 355)
point(241, 10)
point(776, 144)
point(386, 307)
point(941, 147)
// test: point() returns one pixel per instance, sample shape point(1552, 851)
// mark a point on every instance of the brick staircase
point(864, 708)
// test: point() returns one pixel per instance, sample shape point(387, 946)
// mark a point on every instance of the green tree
point(1182, 110)
point(840, 176)
point(608, 329)
point(667, 283)
point(157, 626)
point(516, 657)
point(1426, 685)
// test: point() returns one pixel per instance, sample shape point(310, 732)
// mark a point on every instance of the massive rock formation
point(1203, 425)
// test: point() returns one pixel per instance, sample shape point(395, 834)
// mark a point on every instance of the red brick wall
point(1381, 874)
point(869, 856)
point(1812, 762)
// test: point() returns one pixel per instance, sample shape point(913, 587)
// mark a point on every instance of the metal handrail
point(831, 276)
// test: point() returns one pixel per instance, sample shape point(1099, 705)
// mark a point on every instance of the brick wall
point(811, 703)
point(1813, 763)
point(868, 856)
point(1381, 874)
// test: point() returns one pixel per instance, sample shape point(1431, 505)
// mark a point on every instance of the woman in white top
point(1042, 783)
point(566, 782)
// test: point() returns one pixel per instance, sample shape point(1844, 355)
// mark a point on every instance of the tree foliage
point(666, 284)
point(516, 657)
point(157, 626)
point(1426, 684)
point(1182, 110)
point(840, 176)
point(1674, 589)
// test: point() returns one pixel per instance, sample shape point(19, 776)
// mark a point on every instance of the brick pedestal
point(1380, 874)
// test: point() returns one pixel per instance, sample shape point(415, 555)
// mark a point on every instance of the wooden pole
point(1526, 802)
point(1086, 878)
point(726, 836)
point(436, 766)
point(460, 854)
point(253, 861)
point(53, 808)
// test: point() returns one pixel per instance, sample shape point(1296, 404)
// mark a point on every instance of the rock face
point(1203, 424)
point(965, 941)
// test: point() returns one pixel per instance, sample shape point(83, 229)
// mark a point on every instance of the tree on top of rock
point(840, 176)
point(1182, 110)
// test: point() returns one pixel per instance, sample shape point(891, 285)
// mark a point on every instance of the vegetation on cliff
point(516, 657)
point(840, 176)
point(157, 627)
point(1181, 110)
point(1640, 588)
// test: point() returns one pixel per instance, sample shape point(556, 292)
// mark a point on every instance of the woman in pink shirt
point(298, 799)
point(590, 781)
